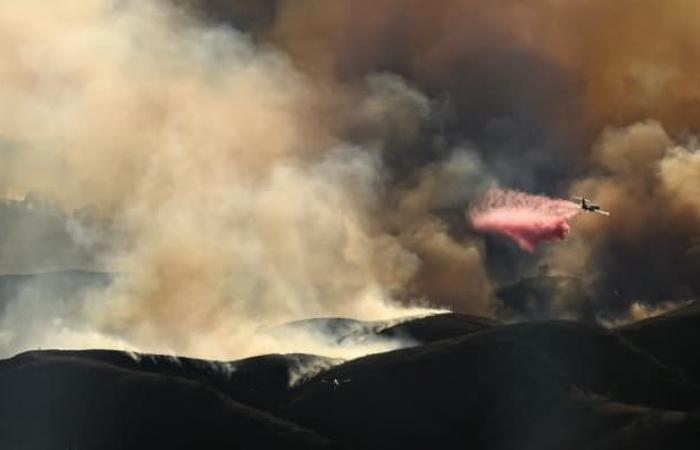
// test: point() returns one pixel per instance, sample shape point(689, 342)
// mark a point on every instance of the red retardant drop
point(525, 218)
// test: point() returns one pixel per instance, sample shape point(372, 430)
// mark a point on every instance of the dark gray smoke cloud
point(541, 91)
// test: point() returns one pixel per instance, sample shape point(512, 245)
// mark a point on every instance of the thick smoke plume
point(206, 171)
point(243, 163)
point(579, 97)
point(525, 218)
point(646, 253)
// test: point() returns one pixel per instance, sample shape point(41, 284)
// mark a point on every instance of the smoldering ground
point(264, 163)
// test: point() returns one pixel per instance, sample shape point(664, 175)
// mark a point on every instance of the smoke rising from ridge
point(245, 164)
point(235, 206)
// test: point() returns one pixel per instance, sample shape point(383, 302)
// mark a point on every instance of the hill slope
point(467, 382)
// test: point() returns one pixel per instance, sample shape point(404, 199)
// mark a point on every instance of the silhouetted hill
point(467, 383)
point(418, 330)
point(514, 386)
point(333, 330)
point(64, 401)
point(671, 338)
point(439, 326)
point(260, 381)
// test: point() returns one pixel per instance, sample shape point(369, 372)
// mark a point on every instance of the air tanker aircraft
point(589, 206)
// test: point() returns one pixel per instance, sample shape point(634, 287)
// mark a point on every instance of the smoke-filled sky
point(244, 163)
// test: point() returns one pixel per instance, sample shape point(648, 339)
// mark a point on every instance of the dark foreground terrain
point(469, 383)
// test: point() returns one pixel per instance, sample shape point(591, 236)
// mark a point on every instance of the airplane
point(589, 206)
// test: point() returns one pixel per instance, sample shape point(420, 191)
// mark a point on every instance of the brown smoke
point(316, 157)
point(647, 251)
point(613, 84)
point(608, 63)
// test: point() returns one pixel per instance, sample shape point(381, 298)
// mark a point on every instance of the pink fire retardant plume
point(525, 218)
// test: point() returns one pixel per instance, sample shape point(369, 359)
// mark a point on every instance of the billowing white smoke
point(232, 204)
